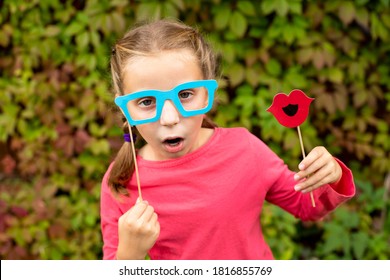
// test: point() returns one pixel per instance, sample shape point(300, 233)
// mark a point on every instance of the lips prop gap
point(290, 110)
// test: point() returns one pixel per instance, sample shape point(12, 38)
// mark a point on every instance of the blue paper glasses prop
point(191, 98)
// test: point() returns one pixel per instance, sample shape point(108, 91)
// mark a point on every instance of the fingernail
point(301, 166)
point(297, 187)
point(296, 177)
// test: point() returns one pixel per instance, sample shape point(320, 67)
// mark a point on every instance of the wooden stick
point(313, 203)
point(135, 163)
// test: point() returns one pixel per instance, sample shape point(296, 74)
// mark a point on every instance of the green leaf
point(229, 52)
point(336, 75)
point(222, 17)
point(238, 24)
point(252, 75)
point(87, 60)
point(359, 244)
point(178, 3)
point(360, 98)
point(290, 140)
point(304, 55)
point(247, 8)
point(385, 3)
point(52, 31)
point(334, 239)
point(149, 10)
point(268, 6)
point(74, 28)
point(377, 28)
point(11, 110)
point(295, 7)
point(289, 34)
point(281, 7)
point(273, 67)
point(119, 21)
point(82, 40)
point(386, 20)
point(95, 39)
point(346, 12)
point(169, 10)
point(99, 147)
point(295, 78)
point(96, 130)
point(362, 16)
point(90, 220)
point(236, 74)
point(277, 27)
point(361, 2)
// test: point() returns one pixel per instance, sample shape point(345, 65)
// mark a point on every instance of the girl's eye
point(146, 102)
point(185, 94)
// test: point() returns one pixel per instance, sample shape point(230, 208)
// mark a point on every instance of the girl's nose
point(169, 115)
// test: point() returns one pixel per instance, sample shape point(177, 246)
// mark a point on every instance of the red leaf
point(82, 139)
point(19, 211)
point(8, 164)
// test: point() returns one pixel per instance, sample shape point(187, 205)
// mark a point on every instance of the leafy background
point(58, 131)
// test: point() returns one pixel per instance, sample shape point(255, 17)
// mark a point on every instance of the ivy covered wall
point(58, 132)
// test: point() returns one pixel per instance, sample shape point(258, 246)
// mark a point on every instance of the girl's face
point(173, 135)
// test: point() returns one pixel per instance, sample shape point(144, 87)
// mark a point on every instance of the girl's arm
point(329, 187)
point(331, 181)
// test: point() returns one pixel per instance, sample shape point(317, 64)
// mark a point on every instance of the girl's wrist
point(130, 255)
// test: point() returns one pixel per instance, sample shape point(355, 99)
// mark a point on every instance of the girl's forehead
point(184, 55)
point(163, 70)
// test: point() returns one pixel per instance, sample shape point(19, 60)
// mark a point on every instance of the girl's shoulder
point(240, 137)
point(233, 132)
point(238, 134)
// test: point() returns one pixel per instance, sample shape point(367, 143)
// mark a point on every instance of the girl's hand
point(138, 230)
point(317, 169)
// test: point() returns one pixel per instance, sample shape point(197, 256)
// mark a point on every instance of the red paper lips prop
point(291, 110)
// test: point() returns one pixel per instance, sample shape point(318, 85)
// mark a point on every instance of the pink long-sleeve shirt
point(209, 202)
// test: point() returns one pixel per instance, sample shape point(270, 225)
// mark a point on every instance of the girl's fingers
point(320, 178)
point(148, 214)
point(310, 170)
point(314, 186)
point(155, 223)
point(316, 153)
point(135, 212)
point(317, 159)
point(336, 171)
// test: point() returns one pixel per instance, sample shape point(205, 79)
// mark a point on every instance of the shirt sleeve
point(109, 215)
point(279, 183)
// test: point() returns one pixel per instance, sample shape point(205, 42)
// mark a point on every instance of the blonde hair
point(143, 40)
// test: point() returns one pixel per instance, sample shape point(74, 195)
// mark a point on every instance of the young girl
point(203, 187)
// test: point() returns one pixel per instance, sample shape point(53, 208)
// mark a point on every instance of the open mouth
point(173, 141)
point(173, 144)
